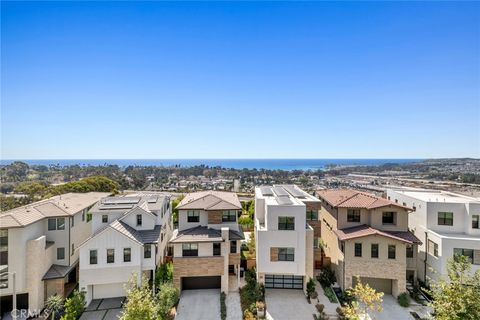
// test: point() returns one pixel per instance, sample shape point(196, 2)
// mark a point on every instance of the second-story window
point(147, 251)
point(127, 254)
point(139, 219)
point(374, 250)
point(388, 217)
point(190, 249)
point(110, 255)
point(60, 253)
point(216, 249)
point(286, 223)
point(391, 251)
point(193, 216)
point(229, 216)
point(432, 248)
point(409, 250)
point(286, 254)
point(104, 218)
point(445, 218)
point(233, 246)
point(56, 224)
point(312, 215)
point(358, 249)
point(475, 221)
point(353, 215)
point(93, 256)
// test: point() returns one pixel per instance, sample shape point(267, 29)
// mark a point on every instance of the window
point(286, 223)
point(432, 248)
point(286, 254)
point(193, 216)
point(358, 249)
point(60, 253)
point(464, 252)
point(475, 221)
point(93, 256)
point(353, 215)
point(391, 251)
point(316, 243)
point(73, 221)
point(190, 249)
point(312, 215)
point(84, 212)
point(104, 218)
point(409, 250)
point(110, 255)
point(229, 216)
point(73, 249)
point(233, 246)
point(127, 254)
point(216, 249)
point(139, 219)
point(388, 217)
point(60, 223)
point(374, 250)
point(56, 224)
point(147, 251)
point(445, 218)
point(4, 257)
point(89, 217)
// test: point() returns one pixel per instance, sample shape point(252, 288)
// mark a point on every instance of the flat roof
point(437, 196)
point(277, 196)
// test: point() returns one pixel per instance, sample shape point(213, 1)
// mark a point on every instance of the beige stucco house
point(368, 237)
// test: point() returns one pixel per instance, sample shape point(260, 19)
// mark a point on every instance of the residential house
point(448, 224)
point(368, 237)
point(38, 243)
point(206, 245)
point(283, 239)
point(130, 236)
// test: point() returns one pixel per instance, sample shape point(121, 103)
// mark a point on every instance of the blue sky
point(240, 80)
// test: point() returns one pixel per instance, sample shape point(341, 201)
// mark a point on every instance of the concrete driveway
point(199, 305)
point(393, 311)
point(288, 304)
point(106, 309)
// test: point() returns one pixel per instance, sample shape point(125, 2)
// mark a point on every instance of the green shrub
point(327, 277)
point(74, 306)
point(223, 306)
point(167, 298)
point(310, 287)
point(330, 294)
point(403, 299)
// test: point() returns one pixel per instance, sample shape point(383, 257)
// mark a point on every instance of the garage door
point(280, 281)
point(190, 283)
point(381, 285)
point(112, 290)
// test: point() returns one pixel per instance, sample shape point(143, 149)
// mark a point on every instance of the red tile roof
point(364, 230)
point(348, 198)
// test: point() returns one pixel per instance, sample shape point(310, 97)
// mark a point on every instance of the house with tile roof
point(38, 243)
point(367, 237)
point(130, 236)
point(206, 244)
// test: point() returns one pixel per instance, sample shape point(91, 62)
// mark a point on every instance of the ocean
point(271, 164)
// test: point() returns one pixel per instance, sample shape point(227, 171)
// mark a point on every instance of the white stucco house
point(130, 235)
point(38, 243)
point(446, 222)
point(284, 240)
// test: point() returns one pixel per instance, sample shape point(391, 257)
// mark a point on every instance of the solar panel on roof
point(266, 191)
point(152, 199)
point(294, 191)
point(115, 206)
point(121, 201)
point(280, 192)
point(283, 200)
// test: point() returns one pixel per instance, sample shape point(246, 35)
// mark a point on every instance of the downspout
point(425, 260)
point(69, 240)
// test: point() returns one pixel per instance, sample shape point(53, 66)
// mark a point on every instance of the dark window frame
point(286, 254)
point(463, 253)
point(374, 253)
point(111, 255)
point(104, 218)
point(392, 254)
point(443, 219)
point(389, 217)
point(93, 257)
point(353, 215)
point(147, 251)
point(61, 256)
point(475, 221)
point(312, 215)
point(127, 254)
point(229, 216)
point(358, 249)
point(217, 248)
point(288, 223)
point(233, 246)
point(192, 250)
point(139, 220)
point(409, 251)
point(193, 216)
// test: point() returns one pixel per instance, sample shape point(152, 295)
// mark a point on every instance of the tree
point(164, 273)
point(54, 304)
point(459, 296)
point(140, 301)
point(367, 299)
point(167, 297)
point(74, 306)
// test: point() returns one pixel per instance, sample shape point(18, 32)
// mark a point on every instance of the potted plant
point(260, 309)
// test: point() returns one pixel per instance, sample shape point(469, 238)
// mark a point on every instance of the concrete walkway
point(288, 304)
point(234, 310)
point(330, 307)
point(199, 305)
point(393, 311)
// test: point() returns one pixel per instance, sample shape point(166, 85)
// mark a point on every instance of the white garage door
point(111, 290)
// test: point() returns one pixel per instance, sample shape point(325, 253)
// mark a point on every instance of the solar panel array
point(266, 191)
point(121, 200)
point(294, 191)
point(115, 206)
point(152, 199)
point(280, 192)
point(283, 200)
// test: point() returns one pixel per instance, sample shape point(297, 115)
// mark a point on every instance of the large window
point(229, 216)
point(93, 256)
point(216, 249)
point(190, 249)
point(110, 255)
point(139, 219)
point(409, 250)
point(147, 251)
point(389, 217)
point(353, 215)
point(445, 218)
point(475, 221)
point(358, 249)
point(432, 248)
point(56, 224)
point(127, 254)
point(392, 251)
point(286, 223)
point(464, 252)
point(286, 254)
point(312, 215)
point(374, 250)
point(60, 253)
point(193, 216)
point(3, 258)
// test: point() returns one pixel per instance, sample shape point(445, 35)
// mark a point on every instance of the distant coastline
point(269, 164)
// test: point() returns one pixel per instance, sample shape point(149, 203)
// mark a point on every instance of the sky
point(157, 80)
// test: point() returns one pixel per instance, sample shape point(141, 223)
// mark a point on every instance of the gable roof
point(348, 198)
point(210, 200)
point(364, 231)
point(203, 234)
point(135, 210)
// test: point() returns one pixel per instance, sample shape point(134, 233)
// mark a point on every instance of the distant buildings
point(38, 243)
point(447, 223)
point(130, 236)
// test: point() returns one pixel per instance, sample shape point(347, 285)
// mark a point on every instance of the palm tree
point(54, 304)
